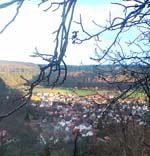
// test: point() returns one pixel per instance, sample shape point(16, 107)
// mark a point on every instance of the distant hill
point(10, 72)
point(77, 76)
point(13, 66)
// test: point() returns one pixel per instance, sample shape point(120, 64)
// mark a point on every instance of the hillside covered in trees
point(84, 76)
point(80, 76)
point(10, 72)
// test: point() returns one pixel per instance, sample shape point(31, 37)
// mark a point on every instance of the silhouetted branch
point(129, 53)
point(55, 63)
point(23, 100)
point(7, 4)
point(19, 5)
point(134, 15)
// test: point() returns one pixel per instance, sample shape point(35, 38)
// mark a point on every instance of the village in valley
point(82, 110)
point(64, 113)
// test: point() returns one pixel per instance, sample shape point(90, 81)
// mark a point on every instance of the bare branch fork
point(139, 82)
point(55, 62)
point(7, 4)
point(119, 24)
point(136, 15)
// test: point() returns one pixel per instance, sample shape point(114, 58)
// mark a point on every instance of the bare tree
point(55, 63)
point(135, 18)
point(128, 50)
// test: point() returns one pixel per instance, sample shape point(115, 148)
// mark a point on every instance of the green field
point(137, 94)
point(79, 92)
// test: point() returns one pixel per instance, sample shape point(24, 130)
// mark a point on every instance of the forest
point(81, 76)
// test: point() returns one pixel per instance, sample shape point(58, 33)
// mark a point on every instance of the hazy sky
point(32, 28)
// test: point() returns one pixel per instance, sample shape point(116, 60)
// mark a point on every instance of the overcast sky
point(32, 28)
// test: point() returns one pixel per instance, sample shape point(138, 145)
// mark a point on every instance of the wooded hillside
point(10, 72)
point(77, 76)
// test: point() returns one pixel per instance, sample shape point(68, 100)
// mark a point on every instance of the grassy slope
point(79, 92)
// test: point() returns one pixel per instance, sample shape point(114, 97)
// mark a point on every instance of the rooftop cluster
point(64, 113)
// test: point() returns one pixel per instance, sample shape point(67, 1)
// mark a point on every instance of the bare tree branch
point(130, 54)
point(7, 4)
point(20, 3)
point(55, 63)
point(119, 24)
